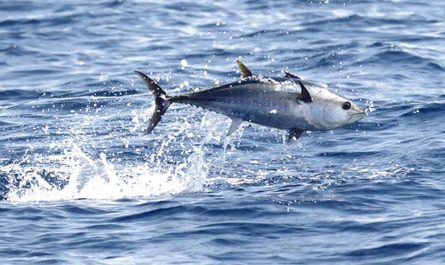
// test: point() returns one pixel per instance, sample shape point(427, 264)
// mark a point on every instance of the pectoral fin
point(245, 72)
point(294, 135)
point(236, 122)
point(304, 96)
point(290, 75)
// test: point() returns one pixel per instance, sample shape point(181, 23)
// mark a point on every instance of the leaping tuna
point(287, 103)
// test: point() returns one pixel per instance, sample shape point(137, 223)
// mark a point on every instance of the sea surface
point(80, 182)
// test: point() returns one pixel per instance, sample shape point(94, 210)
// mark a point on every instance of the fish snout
point(358, 114)
point(362, 111)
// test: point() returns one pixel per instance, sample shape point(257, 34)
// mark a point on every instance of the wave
point(400, 59)
point(432, 110)
point(53, 20)
point(14, 95)
point(17, 50)
point(369, 21)
point(399, 252)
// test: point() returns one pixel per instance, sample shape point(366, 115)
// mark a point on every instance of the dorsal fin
point(290, 75)
point(245, 72)
point(305, 96)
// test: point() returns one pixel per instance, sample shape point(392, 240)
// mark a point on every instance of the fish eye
point(346, 105)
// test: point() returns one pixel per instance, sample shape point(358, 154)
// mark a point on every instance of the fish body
point(287, 103)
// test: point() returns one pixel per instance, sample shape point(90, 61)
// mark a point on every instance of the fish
point(287, 103)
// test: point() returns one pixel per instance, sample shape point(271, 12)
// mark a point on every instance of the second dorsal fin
point(245, 72)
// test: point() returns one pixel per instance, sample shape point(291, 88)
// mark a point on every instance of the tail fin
point(162, 101)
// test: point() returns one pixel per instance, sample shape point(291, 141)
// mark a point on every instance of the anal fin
point(294, 135)
point(236, 122)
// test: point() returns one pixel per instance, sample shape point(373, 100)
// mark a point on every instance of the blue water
point(81, 184)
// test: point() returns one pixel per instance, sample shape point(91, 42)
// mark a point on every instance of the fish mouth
point(359, 115)
point(361, 111)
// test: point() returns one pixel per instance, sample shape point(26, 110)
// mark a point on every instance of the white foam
point(87, 174)
point(100, 178)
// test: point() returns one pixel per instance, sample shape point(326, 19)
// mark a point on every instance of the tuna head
point(329, 110)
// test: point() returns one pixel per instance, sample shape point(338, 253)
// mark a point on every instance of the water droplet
point(184, 63)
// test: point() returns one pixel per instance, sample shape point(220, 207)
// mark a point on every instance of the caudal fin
point(162, 101)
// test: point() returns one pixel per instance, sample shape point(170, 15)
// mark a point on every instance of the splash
point(76, 175)
point(370, 107)
point(80, 167)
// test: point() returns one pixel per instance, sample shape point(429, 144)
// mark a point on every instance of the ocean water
point(80, 183)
